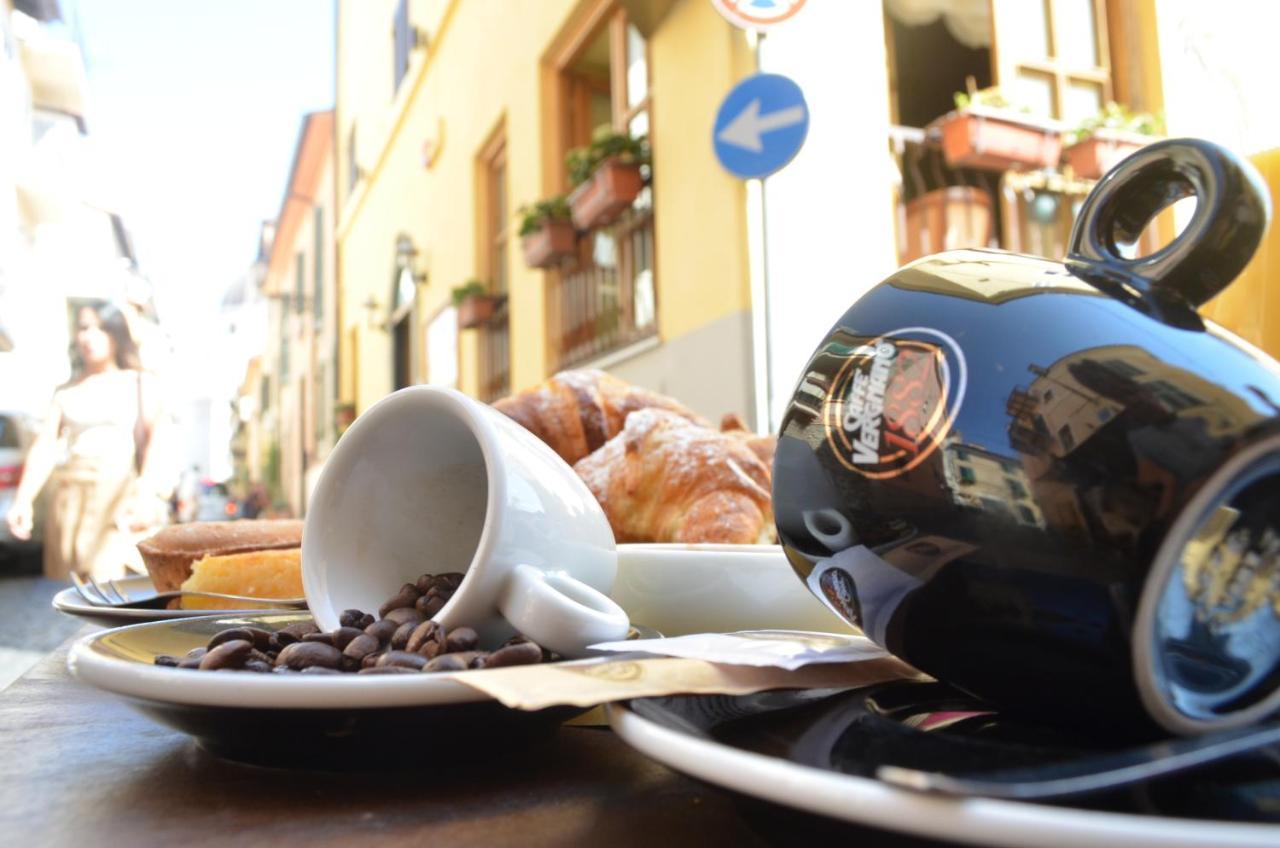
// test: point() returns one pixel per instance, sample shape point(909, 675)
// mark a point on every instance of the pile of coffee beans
point(402, 640)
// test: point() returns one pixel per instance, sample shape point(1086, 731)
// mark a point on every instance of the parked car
point(17, 431)
point(214, 502)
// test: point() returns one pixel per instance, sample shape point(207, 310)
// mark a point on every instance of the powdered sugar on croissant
point(664, 478)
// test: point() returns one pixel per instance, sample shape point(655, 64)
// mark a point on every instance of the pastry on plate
point(664, 478)
point(576, 412)
point(170, 553)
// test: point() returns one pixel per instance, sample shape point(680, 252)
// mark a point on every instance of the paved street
point(29, 627)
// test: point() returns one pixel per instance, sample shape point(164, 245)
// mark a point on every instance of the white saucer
point(869, 802)
point(683, 588)
point(70, 602)
point(297, 720)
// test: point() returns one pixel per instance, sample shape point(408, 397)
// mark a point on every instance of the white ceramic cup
point(428, 480)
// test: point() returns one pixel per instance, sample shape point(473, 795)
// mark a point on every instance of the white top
point(99, 414)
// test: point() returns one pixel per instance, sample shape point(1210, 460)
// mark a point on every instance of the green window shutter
point(299, 283)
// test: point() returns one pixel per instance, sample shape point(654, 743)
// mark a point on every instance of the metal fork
point(112, 595)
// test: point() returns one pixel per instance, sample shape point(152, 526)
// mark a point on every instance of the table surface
point(80, 767)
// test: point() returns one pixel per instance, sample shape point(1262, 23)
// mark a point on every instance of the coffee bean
point(400, 638)
point(388, 669)
point(300, 629)
point(260, 638)
point(197, 653)
point(521, 653)
point(432, 605)
point(258, 666)
point(322, 638)
point(370, 660)
point(406, 597)
point(427, 639)
point(404, 615)
point(402, 658)
point(320, 669)
point(447, 662)
point(258, 656)
point(302, 655)
point(351, 618)
point(166, 660)
point(343, 636)
point(189, 662)
point(473, 659)
point(361, 646)
point(461, 639)
point(227, 655)
point(382, 630)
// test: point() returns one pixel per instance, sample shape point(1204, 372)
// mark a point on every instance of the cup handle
point(1232, 210)
point(560, 612)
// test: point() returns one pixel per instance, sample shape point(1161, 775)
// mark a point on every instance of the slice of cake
point(170, 553)
point(261, 574)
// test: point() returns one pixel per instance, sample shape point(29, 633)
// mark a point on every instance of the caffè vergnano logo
point(894, 400)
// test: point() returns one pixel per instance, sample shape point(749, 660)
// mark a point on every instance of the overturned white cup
point(428, 480)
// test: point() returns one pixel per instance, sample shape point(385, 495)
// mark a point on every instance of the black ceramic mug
point(1054, 485)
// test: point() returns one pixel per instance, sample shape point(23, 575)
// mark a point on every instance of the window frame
point(1007, 64)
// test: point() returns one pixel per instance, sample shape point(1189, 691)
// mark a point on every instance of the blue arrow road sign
point(761, 126)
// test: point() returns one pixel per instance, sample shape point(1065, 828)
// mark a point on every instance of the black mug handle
point(1232, 210)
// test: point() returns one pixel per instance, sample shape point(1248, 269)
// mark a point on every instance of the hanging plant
point(988, 132)
point(547, 236)
point(608, 177)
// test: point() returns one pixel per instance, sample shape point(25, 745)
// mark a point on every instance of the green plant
point(1117, 116)
point(992, 98)
point(471, 288)
point(534, 215)
point(607, 143)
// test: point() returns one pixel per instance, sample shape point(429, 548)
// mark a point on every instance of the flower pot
point(1101, 152)
point(475, 311)
point(997, 140)
point(610, 191)
point(947, 218)
point(344, 416)
point(551, 244)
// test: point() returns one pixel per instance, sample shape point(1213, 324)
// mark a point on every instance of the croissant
point(575, 412)
point(667, 479)
point(731, 424)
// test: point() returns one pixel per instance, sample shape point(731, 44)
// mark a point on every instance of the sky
point(195, 108)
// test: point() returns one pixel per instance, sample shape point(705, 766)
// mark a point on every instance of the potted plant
point(986, 132)
point(1100, 142)
point(474, 304)
point(607, 177)
point(344, 415)
point(546, 233)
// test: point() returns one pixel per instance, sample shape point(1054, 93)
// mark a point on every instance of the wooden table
point(80, 767)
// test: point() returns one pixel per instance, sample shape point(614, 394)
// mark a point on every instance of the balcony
point(608, 300)
point(495, 355)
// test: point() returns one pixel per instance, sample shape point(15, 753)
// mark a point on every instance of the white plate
point(682, 589)
point(869, 802)
point(70, 602)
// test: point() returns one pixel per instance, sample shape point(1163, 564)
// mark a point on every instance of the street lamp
point(406, 254)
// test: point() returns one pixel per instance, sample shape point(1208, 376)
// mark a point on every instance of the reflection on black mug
point(1053, 485)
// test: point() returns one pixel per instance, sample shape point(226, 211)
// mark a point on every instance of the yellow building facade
point(297, 379)
point(451, 115)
